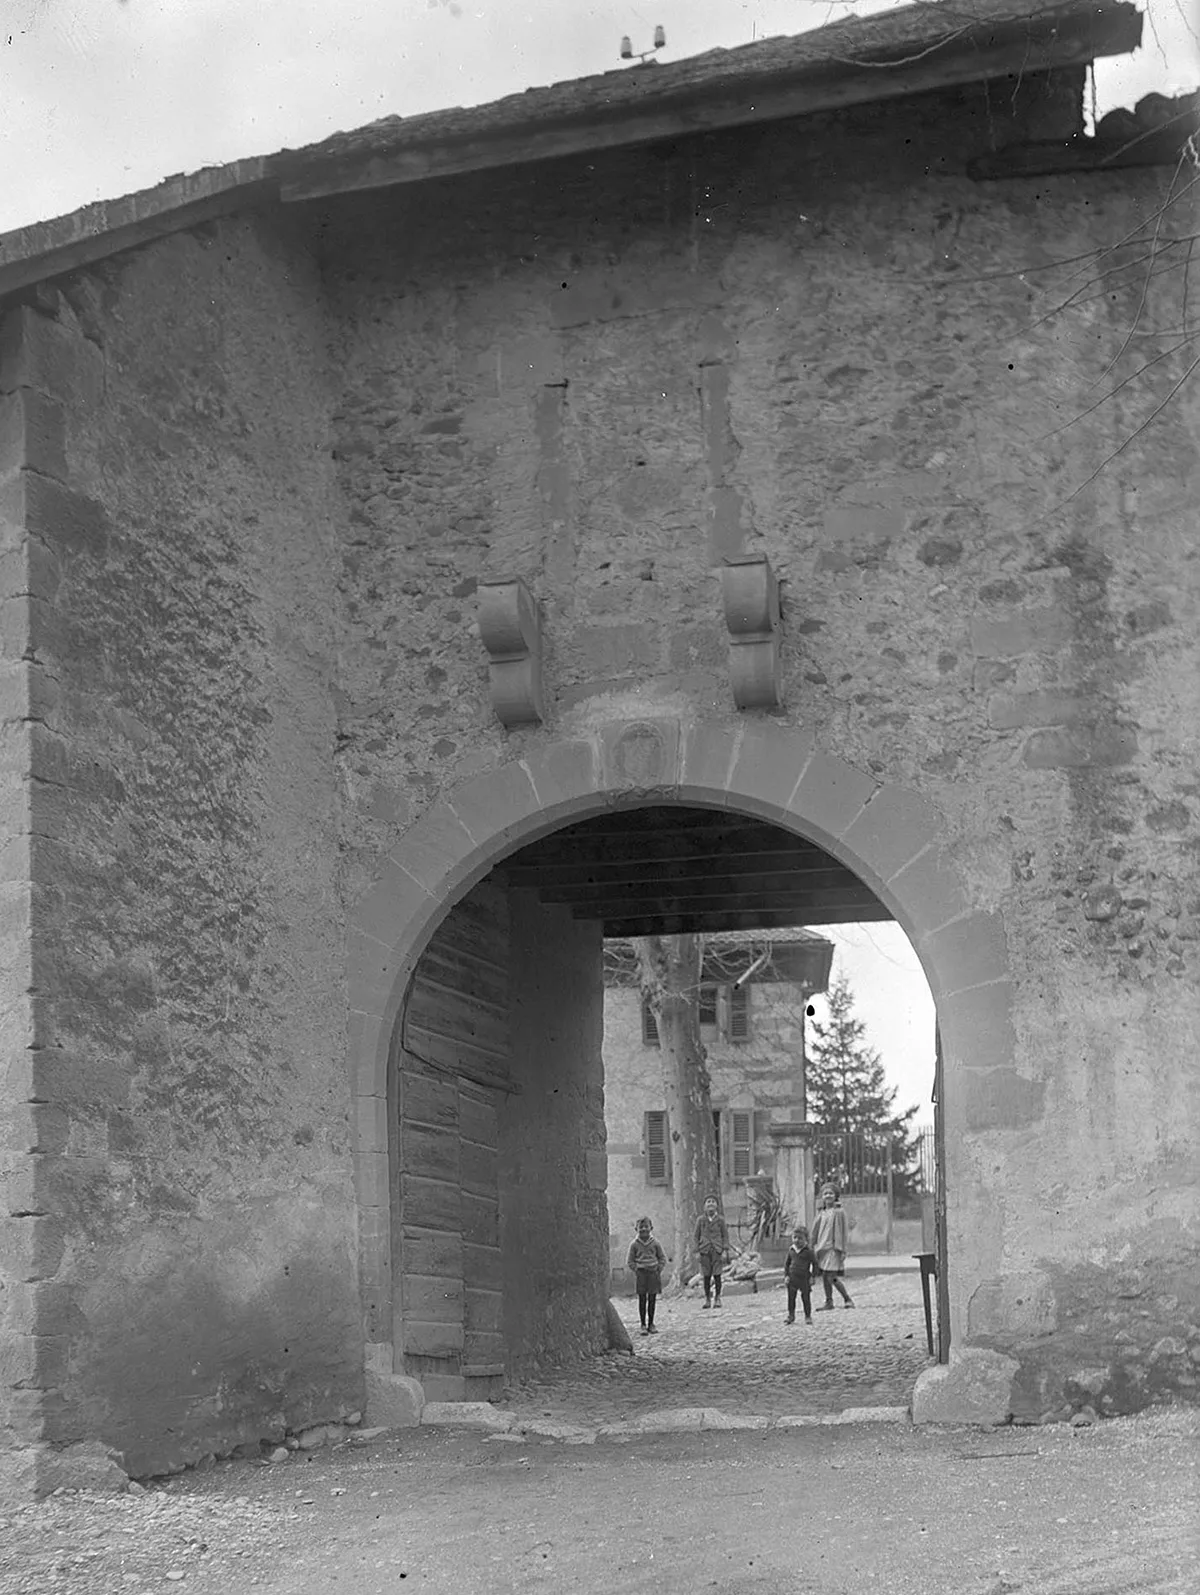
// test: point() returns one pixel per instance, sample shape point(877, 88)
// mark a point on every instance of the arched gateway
point(888, 835)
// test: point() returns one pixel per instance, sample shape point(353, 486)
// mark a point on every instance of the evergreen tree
point(848, 1093)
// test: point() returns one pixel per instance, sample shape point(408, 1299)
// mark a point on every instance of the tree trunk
point(669, 975)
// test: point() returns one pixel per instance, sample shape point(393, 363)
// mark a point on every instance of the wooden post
point(890, 1194)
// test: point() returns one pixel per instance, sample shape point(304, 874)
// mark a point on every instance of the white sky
point(892, 998)
point(102, 97)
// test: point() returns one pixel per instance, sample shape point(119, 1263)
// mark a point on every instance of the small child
point(647, 1260)
point(712, 1245)
point(798, 1268)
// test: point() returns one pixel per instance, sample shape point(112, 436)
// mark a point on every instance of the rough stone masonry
point(250, 477)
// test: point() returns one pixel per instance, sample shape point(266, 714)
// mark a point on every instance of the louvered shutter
point(743, 1145)
point(739, 1013)
point(658, 1169)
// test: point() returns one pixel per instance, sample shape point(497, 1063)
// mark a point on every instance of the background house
point(754, 1035)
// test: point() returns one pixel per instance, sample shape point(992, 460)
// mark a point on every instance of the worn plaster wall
point(192, 1175)
point(820, 341)
point(552, 1164)
point(632, 1088)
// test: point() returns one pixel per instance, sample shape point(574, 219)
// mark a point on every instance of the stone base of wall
point(30, 1472)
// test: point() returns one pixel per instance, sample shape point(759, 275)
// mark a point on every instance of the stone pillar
point(793, 1169)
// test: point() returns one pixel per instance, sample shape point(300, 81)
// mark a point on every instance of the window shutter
point(649, 1025)
point(739, 1013)
point(658, 1168)
point(743, 1145)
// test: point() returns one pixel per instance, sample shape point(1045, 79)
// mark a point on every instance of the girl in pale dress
point(829, 1244)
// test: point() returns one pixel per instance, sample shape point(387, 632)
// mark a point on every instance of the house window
point(742, 1144)
point(658, 1149)
point(723, 1009)
point(708, 1006)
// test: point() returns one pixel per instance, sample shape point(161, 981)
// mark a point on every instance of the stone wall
point(799, 340)
point(191, 1168)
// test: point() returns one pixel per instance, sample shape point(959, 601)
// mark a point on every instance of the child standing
point(798, 1268)
point(647, 1260)
point(829, 1244)
point(712, 1245)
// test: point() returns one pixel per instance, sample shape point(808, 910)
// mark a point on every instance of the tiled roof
point(883, 43)
point(856, 61)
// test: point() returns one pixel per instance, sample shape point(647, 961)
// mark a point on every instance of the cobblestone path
point(744, 1359)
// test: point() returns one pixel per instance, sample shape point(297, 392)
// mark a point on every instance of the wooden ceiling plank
point(686, 882)
point(620, 853)
point(714, 924)
point(599, 903)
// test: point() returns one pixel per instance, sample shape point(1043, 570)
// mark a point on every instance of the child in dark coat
point(798, 1268)
point(647, 1260)
point(712, 1248)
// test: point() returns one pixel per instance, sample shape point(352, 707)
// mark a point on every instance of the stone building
point(752, 1023)
point(383, 519)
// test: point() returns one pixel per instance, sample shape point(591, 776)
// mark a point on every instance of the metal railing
point(856, 1163)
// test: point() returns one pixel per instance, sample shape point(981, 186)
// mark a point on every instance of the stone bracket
point(512, 634)
point(750, 593)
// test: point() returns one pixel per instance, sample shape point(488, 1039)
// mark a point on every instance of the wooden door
point(453, 1077)
point(483, 1296)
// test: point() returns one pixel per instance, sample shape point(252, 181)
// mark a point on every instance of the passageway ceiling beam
point(715, 924)
point(667, 869)
point(847, 903)
point(741, 884)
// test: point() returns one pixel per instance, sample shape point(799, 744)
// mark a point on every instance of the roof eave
point(1010, 49)
point(48, 249)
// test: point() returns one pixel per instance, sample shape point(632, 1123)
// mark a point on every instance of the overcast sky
point(892, 998)
point(102, 97)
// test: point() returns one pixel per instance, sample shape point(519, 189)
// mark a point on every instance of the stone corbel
point(751, 596)
point(512, 634)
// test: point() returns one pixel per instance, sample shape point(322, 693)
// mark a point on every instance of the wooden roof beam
point(714, 924)
point(660, 883)
point(796, 904)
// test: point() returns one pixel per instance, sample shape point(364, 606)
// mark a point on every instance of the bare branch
point(1132, 235)
point(1081, 295)
point(1106, 462)
point(1146, 281)
point(1125, 381)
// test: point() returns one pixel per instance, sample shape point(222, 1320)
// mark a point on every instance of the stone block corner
point(974, 1387)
